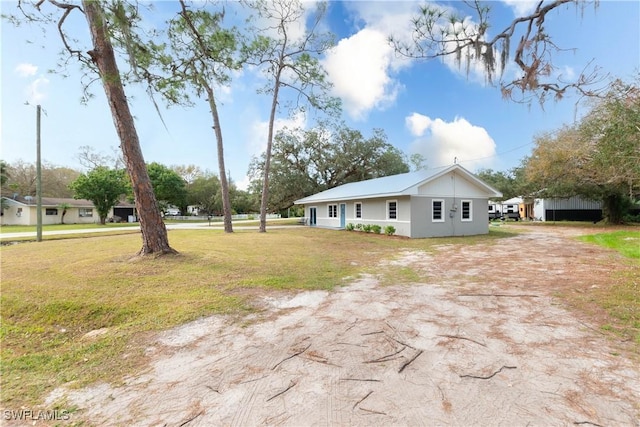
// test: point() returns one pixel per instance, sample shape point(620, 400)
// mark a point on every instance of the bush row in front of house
point(389, 230)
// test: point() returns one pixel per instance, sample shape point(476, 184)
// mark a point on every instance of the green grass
point(61, 227)
point(621, 300)
point(625, 242)
point(54, 292)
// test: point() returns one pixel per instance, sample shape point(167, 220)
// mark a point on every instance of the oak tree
point(305, 162)
point(597, 158)
point(103, 186)
point(464, 31)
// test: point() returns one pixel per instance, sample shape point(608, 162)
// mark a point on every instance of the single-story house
point(23, 211)
point(446, 201)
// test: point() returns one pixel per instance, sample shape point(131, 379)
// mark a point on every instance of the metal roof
point(394, 185)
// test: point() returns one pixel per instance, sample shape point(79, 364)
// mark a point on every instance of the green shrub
point(359, 227)
point(350, 227)
point(389, 230)
point(366, 228)
point(375, 229)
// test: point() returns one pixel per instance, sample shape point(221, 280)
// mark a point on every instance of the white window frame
point(397, 210)
point(85, 212)
point(462, 218)
point(433, 211)
point(333, 211)
point(355, 210)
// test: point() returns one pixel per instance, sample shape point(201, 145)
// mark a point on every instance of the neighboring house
point(448, 201)
point(23, 211)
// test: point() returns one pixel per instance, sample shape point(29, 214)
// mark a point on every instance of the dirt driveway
point(480, 341)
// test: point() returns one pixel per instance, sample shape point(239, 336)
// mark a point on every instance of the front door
point(343, 215)
point(312, 216)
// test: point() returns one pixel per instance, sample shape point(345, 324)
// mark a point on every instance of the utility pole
point(38, 179)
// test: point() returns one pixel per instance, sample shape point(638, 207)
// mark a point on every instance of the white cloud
point(417, 123)
point(443, 142)
point(36, 90)
point(362, 67)
point(359, 68)
point(257, 142)
point(26, 70)
point(521, 7)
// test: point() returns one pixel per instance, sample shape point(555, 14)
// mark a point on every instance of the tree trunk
point(267, 158)
point(224, 183)
point(154, 232)
point(613, 207)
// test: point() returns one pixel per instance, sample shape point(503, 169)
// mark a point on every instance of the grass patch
point(55, 292)
point(625, 242)
point(62, 227)
point(621, 299)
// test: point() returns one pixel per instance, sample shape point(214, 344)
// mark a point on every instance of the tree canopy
point(168, 186)
point(597, 158)
point(103, 186)
point(308, 161)
point(464, 31)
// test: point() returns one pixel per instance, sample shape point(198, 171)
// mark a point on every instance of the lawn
point(61, 227)
point(625, 242)
point(622, 299)
point(55, 292)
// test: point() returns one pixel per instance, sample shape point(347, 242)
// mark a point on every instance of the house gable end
point(456, 183)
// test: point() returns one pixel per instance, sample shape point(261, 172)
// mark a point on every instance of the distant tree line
point(105, 184)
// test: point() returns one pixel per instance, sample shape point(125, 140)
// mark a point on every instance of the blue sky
point(426, 107)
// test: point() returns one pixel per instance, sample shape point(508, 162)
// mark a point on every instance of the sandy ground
point(481, 340)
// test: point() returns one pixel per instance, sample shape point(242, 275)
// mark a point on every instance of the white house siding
point(449, 185)
point(374, 211)
point(422, 224)
point(452, 185)
point(18, 213)
point(10, 214)
point(29, 216)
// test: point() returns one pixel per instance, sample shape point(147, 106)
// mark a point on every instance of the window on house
point(436, 210)
point(358, 210)
point(85, 212)
point(333, 211)
point(51, 211)
point(466, 210)
point(392, 210)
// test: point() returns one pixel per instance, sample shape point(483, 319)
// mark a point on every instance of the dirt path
point(480, 341)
